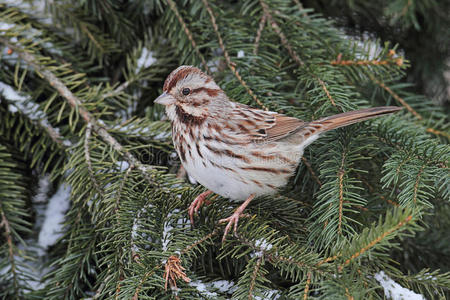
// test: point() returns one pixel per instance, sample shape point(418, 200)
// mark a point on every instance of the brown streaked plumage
point(234, 150)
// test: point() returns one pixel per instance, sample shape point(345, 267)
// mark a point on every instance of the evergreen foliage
point(77, 83)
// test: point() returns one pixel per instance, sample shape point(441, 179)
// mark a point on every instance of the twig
point(254, 276)
point(173, 7)
point(374, 242)
point(4, 223)
point(292, 53)
point(306, 290)
point(283, 38)
point(341, 199)
point(230, 64)
point(396, 97)
point(391, 60)
point(416, 184)
point(87, 156)
point(117, 90)
point(173, 271)
point(310, 169)
point(301, 8)
point(259, 33)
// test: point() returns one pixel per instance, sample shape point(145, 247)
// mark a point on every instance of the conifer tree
point(82, 143)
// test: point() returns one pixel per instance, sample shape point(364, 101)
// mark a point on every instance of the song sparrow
point(234, 150)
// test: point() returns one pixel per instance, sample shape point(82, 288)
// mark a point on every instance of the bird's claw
point(196, 204)
point(232, 220)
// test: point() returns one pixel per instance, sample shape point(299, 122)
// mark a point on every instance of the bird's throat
point(188, 118)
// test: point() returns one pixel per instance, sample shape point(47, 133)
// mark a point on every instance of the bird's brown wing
point(259, 125)
point(251, 124)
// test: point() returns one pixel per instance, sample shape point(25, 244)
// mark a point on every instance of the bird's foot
point(196, 204)
point(233, 220)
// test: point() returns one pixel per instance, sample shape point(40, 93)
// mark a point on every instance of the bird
point(234, 150)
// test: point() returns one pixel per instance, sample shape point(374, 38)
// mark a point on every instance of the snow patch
point(122, 165)
point(394, 291)
point(54, 216)
point(224, 286)
point(145, 60)
point(5, 26)
point(202, 288)
point(263, 246)
point(168, 227)
point(11, 94)
point(269, 295)
point(134, 229)
point(205, 288)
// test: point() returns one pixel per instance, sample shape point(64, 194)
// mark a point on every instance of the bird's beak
point(165, 99)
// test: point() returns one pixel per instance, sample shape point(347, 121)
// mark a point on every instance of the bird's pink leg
point(234, 218)
point(196, 204)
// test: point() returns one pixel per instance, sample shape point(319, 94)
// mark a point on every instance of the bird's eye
point(186, 91)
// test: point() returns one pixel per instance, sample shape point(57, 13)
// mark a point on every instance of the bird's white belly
point(232, 177)
point(222, 182)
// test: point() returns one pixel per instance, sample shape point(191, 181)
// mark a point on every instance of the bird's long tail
point(352, 117)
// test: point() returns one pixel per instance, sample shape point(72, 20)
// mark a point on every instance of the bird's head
point(190, 90)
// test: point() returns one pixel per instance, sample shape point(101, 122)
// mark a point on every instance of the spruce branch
point(230, 64)
point(375, 241)
point(396, 97)
point(87, 156)
point(306, 289)
point(374, 62)
point(416, 184)
point(173, 7)
point(254, 276)
point(7, 232)
point(280, 33)
point(76, 103)
point(292, 53)
point(144, 279)
point(262, 23)
point(310, 169)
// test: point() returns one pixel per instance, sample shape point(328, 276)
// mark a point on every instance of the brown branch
point(396, 97)
point(310, 169)
point(173, 271)
point(4, 223)
point(438, 132)
point(173, 7)
point(198, 242)
point(347, 293)
point(259, 33)
point(76, 103)
point(87, 157)
point(292, 53)
point(328, 259)
point(301, 8)
point(416, 184)
point(390, 61)
point(324, 87)
point(54, 135)
point(306, 290)
point(283, 38)
point(254, 276)
point(230, 64)
point(143, 279)
point(374, 242)
point(341, 199)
